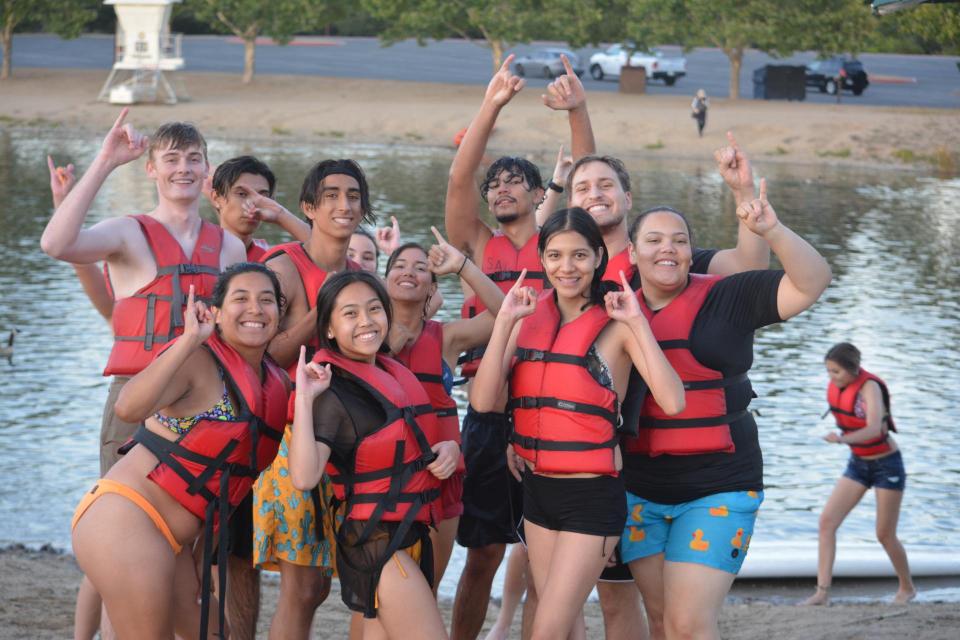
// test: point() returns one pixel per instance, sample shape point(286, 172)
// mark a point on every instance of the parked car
point(823, 74)
point(659, 67)
point(546, 63)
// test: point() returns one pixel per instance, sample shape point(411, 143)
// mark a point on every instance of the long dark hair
point(578, 220)
point(327, 300)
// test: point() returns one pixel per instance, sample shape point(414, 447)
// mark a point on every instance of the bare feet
point(905, 596)
point(820, 597)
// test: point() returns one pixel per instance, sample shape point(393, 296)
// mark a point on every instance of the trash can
point(780, 82)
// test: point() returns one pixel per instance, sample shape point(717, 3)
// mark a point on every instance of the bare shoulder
point(232, 250)
point(290, 284)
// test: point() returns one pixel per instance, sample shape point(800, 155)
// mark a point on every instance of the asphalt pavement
point(896, 80)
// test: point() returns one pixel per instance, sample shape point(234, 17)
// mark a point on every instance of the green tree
point(497, 24)
point(278, 19)
point(66, 18)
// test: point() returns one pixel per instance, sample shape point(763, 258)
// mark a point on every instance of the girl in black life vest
point(567, 354)
point(212, 409)
point(365, 419)
point(860, 403)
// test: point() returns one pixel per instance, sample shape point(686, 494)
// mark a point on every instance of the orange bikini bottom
point(105, 486)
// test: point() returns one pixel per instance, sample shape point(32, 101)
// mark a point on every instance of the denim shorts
point(713, 531)
point(883, 473)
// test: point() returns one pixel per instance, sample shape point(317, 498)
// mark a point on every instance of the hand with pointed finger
point(312, 378)
point(623, 306)
point(123, 143)
point(503, 85)
point(262, 207)
point(443, 257)
point(566, 92)
point(61, 181)
point(448, 455)
point(758, 214)
point(734, 167)
point(197, 319)
point(520, 301)
point(561, 170)
point(388, 238)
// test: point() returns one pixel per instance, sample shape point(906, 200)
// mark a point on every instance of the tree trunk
point(7, 37)
point(736, 61)
point(249, 56)
point(496, 48)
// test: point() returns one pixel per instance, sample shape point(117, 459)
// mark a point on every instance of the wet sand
point(316, 109)
point(38, 590)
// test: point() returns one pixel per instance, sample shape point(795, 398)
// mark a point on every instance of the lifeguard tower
point(145, 50)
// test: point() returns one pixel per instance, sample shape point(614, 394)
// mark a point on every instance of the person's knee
point(682, 623)
point(484, 561)
point(309, 590)
point(828, 524)
point(887, 535)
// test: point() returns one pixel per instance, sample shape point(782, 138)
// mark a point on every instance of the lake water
point(892, 238)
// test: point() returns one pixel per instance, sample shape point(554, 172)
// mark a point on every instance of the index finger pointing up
point(566, 65)
point(763, 189)
point(519, 283)
point(120, 118)
point(506, 63)
point(436, 234)
point(625, 282)
point(733, 141)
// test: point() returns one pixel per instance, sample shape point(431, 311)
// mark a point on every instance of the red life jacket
point(425, 359)
point(564, 421)
point(842, 405)
point(704, 425)
point(618, 263)
point(211, 468)
point(502, 262)
point(153, 316)
point(312, 278)
point(387, 480)
point(257, 250)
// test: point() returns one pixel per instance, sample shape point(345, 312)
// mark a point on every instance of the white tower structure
point(145, 49)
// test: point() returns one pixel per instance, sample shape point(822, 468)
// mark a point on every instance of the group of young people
point(291, 408)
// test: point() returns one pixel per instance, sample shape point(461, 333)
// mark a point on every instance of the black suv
point(823, 74)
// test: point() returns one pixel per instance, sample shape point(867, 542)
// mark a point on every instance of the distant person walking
point(860, 403)
point(699, 108)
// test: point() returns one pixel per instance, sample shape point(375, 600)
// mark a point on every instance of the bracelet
point(553, 185)
point(462, 265)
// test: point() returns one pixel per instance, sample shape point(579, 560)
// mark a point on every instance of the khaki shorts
point(114, 432)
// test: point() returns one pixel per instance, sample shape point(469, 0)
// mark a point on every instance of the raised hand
point(448, 455)
point(520, 301)
point(734, 167)
point(123, 143)
point(312, 378)
point(267, 209)
point(566, 92)
point(61, 181)
point(758, 214)
point(623, 306)
point(503, 85)
point(562, 169)
point(388, 238)
point(197, 319)
point(443, 257)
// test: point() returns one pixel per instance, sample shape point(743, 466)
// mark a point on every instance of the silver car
point(546, 63)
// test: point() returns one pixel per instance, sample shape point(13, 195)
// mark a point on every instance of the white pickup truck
point(659, 67)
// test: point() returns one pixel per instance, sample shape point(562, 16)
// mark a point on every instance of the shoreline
point(321, 110)
point(39, 604)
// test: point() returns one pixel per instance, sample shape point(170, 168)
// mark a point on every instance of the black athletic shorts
point(618, 572)
point(595, 506)
point(241, 529)
point(492, 498)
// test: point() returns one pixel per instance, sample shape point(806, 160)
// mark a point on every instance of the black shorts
point(618, 572)
point(492, 497)
point(240, 543)
point(595, 506)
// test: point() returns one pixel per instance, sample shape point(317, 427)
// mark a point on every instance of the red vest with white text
point(564, 421)
point(153, 316)
point(843, 404)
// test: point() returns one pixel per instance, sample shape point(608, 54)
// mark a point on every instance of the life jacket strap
point(536, 402)
point(719, 383)
point(692, 423)
point(537, 355)
point(538, 444)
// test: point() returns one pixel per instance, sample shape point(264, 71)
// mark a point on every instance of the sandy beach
point(37, 598)
point(303, 108)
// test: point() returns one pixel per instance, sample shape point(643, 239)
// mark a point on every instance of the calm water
point(892, 238)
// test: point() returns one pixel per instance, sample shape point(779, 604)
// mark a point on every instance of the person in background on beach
point(698, 110)
point(358, 419)
point(560, 363)
point(212, 407)
point(695, 479)
point(860, 403)
point(289, 524)
point(430, 349)
point(135, 249)
point(511, 189)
